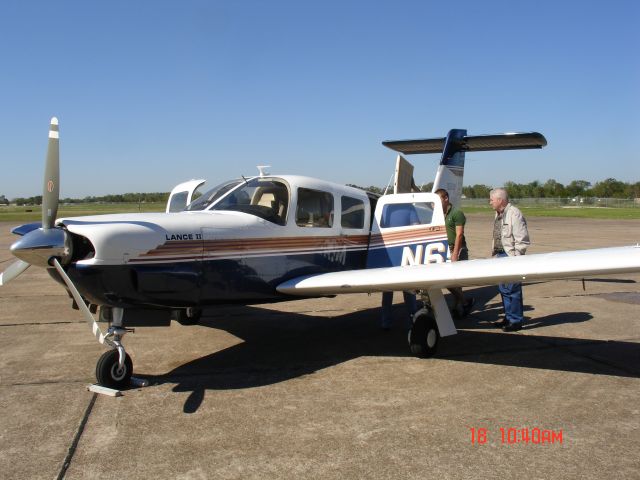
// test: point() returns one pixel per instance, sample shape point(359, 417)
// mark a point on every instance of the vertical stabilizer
point(451, 168)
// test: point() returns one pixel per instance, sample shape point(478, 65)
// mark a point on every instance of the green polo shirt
point(454, 218)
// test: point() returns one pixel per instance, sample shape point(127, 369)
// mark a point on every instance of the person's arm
point(520, 233)
point(459, 220)
point(456, 247)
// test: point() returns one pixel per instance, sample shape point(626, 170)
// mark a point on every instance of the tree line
point(609, 188)
point(153, 197)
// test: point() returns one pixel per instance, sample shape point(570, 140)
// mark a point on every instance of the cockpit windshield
point(211, 196)
point(266, 198)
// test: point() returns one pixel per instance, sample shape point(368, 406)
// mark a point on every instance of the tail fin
point(451, 168)
point(453, 147)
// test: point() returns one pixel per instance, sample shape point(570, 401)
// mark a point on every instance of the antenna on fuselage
point(262, 169)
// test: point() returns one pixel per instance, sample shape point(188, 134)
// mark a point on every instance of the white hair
point(499, 193)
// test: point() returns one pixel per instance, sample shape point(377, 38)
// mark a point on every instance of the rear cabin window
point(406, 214)
point(315, 208)
point(352, 213)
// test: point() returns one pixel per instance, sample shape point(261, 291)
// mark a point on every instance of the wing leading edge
point(542, 266)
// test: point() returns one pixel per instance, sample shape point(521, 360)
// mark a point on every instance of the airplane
point(272, 238)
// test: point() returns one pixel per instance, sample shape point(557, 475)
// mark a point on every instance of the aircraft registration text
point(434, 253)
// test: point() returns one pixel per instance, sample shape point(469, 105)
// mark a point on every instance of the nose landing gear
point(114, 368)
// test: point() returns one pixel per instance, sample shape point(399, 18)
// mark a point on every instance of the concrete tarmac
point(314, 388)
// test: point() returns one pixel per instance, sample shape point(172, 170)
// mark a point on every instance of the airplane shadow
point(488, 310)
point(279, 346)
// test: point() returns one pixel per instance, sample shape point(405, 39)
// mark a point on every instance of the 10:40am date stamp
point(514, 436)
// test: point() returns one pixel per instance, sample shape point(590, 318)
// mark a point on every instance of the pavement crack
point(31, 324)
point(34, 296)
point(76, 438)
point(43, 382)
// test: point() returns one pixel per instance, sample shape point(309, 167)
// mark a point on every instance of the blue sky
point(151, 93)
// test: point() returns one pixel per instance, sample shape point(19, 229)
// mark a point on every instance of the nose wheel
point(110, 373)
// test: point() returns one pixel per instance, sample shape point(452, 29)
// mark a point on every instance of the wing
point(544, 266)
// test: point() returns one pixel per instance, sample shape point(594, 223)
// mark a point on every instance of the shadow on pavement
point(279, 346)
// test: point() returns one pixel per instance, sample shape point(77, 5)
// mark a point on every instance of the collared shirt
point(452, 219)
point(514, 235)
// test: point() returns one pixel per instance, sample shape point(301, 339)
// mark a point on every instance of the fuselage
point(235, 255)
point(238, 246)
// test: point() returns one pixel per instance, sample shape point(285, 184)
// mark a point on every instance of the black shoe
point(468, 305)
point(512, 327)
point(500, 324)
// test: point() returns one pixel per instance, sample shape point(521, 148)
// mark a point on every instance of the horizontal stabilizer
point(476, 143)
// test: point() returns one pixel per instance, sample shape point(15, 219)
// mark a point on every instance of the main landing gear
point(188, 316)
point(430, 323)
point(424, 336)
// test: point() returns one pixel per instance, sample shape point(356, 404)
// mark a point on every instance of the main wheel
point(188, 316)
point(424, 335)
point(108, 372)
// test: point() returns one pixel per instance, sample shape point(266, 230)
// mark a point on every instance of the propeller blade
point(15, 269)
point(22, 230)
point(51, 189)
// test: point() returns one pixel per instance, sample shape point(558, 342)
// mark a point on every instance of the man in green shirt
point(454, 221)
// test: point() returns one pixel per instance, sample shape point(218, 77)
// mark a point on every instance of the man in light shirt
point(510, 238)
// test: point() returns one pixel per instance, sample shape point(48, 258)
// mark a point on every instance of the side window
point(352, 213)
point(178, 201)
point(405, 214)
point(315, 208)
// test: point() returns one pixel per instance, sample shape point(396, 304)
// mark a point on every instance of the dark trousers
point(511, 299)
point(387, 303)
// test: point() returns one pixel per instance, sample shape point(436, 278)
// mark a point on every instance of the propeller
point(15, 269)
point(51, 188)
point(39, 244)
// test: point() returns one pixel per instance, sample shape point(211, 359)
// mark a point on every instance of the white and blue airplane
point(272, 238)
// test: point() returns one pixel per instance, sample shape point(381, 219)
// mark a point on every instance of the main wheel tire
point(188, 316)
point(424, 335)
point(108, 372)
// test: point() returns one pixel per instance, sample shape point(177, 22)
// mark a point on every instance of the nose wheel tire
point(108, 371)
point(424, 335)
